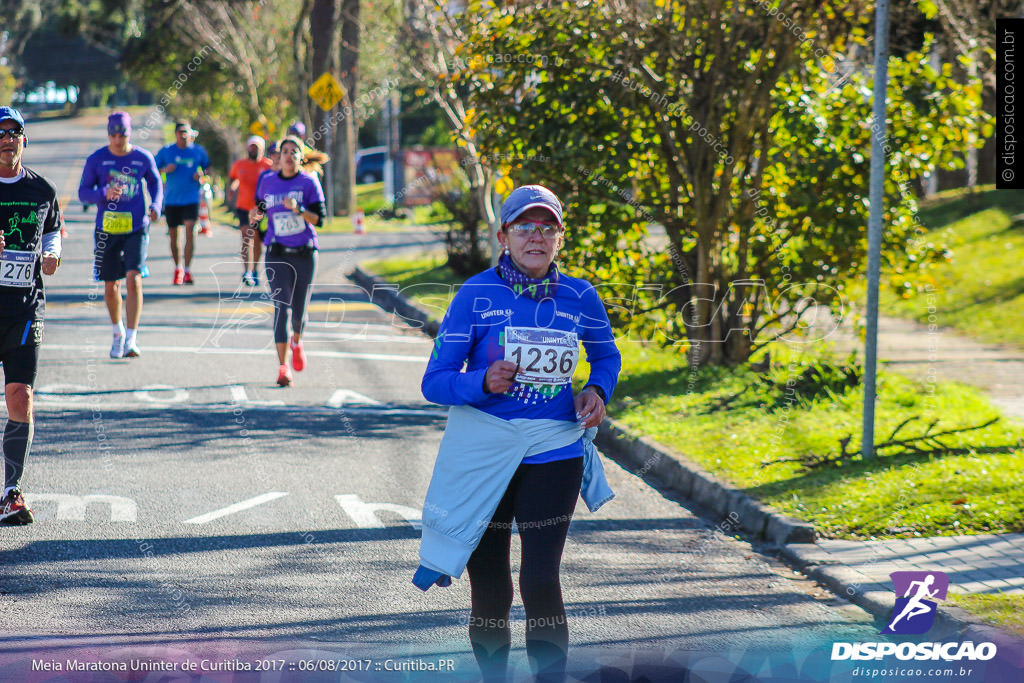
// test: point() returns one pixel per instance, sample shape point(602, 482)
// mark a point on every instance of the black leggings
point(290, 277)
point(541, 498)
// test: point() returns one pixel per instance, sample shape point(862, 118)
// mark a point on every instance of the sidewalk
point(855, 570)
point(974, 564)
point(909, 348)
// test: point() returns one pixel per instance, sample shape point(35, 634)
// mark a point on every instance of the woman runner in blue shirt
point(517, 329)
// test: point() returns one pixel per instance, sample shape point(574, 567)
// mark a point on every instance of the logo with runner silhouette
point(914, 611)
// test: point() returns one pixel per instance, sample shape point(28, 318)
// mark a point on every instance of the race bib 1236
point(543, 356)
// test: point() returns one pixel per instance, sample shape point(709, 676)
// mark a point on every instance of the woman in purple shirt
point(293, 202)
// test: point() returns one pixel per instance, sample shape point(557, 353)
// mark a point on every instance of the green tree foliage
point(725, 122)
point(7, 83)
point(205, 60)
point(431, 36)
point(53, 41)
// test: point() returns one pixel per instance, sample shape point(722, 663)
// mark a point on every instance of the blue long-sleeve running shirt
point(487, 321)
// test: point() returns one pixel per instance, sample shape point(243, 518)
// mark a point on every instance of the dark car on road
point(370, 165)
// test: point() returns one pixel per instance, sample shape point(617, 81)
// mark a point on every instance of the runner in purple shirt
point(112, 180)
point(293, 202)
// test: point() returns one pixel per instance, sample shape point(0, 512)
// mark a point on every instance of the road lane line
point(56, 320)
point(73, 507)
point(247, 352)
point(237, 507)
point(342, 337)
point(317, 307)
point(383, 411)
point(176, 395)
point(348, 397)
point(239, 396)
point(365, 514)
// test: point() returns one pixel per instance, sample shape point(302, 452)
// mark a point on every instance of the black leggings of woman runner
point(290, 277)
point(541, 498)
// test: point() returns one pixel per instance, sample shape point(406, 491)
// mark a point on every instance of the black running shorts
point(19, 349)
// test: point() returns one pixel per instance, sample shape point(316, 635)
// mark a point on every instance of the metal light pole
point(876, 197)
point(329, 169)
point(392, 162)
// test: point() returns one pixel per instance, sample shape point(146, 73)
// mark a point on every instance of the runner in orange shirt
point(244, 176)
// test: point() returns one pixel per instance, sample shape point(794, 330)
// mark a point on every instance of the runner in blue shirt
point(183, 162)
point(508, 346)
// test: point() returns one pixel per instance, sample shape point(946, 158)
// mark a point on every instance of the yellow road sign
point(503, 186)
point(326, 91)
point(263, 129)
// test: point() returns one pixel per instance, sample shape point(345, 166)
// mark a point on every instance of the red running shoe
point(179, 276)
point(298, 356)
point(13, 510)
point(188, 278)
point(284, 376)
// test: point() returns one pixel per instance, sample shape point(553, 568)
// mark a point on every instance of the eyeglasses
point(14, 133)
point(547, 229)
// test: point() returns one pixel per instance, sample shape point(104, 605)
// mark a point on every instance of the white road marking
point(348, 397)
point(183, 350)
point(58, 396)
point(338, 325)
point(52, 391)
point(390, 411)
point(237, 507)
point(364, 514)
point(73, 507)
point(239, 396)
point(265, 306)
point(344, 337)
point(312, 324)
point(177, 395)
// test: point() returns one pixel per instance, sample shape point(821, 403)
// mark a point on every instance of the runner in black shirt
point(30, 223)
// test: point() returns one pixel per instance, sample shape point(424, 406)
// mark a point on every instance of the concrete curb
point(386, 295)
point(690, 481)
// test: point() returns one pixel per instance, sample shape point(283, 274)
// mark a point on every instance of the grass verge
point(733, 422)
point(424, 279)
point(368, 198)
point(980, 290)
point(1000, 609)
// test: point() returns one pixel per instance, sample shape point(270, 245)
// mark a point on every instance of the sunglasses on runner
point(14, 133)
point(547, 229)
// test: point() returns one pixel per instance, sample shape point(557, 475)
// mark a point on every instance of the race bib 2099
point(117, 222)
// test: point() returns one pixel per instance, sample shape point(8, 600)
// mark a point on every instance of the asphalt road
point(188, 507)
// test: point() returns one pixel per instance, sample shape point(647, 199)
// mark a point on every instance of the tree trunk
point(345, 138)
point(323, 22)
point(300, 53)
